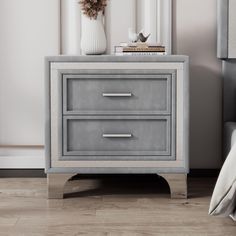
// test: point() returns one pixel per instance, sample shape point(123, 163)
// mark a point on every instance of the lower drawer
point(84, 137)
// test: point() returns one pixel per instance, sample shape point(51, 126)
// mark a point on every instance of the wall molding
point(22, 157)
point(22, 162)
point(69, 20)
point(154, 16)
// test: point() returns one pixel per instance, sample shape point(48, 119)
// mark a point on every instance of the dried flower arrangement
point(91, 8)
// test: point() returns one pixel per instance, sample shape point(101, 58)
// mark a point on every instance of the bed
point(223, 202)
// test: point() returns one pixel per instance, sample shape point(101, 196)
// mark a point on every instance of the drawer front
point(117, 94)
point(117, 136)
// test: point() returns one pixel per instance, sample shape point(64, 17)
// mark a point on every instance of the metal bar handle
point(117, 94)
point(116, 135)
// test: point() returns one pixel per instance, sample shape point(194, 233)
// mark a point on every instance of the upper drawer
point(117, 94)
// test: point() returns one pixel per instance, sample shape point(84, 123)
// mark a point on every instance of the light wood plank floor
point(108, 205)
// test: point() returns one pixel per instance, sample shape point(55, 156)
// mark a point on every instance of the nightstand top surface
point(113, 58)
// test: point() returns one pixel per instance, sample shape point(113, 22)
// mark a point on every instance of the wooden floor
point(109, 205)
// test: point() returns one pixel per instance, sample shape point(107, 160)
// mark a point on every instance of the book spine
point(143, 49)
point(139, 53)
point(120, 49)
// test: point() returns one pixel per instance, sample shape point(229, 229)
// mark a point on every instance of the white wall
point(194, 34)
point(29, 31)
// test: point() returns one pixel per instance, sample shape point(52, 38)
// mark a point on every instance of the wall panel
point(120, 16)
point(196, 36)
point(29, 31)
point(70, 27)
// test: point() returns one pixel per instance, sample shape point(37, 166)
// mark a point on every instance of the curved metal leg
point(56, 183)
point(177, 183)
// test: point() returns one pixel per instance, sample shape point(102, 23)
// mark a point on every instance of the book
point(139, 44)
point(139, 48)
point(119, 49)
point(149, 49)
point(139, 53)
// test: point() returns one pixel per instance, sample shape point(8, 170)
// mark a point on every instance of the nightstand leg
point(56, 183)
point(177, 184)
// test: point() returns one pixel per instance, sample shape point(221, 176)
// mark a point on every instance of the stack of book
point(139, 49)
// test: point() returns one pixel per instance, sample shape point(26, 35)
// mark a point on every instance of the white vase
point(93, 40)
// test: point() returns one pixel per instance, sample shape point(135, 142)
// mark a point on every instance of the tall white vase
point(93, 40)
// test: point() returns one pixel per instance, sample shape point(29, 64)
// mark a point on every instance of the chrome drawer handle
point(117, 135)
point(116, 94)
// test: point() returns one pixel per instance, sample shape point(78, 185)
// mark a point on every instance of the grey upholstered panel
point(51, 61)
point(47, 129)
point(118, 170)
point(226, 35)
point(232, 29)
point(229, 105)
point(113, 58)
point(83, 136)
point(222, 28)
point(150, 94)
point(229, 136)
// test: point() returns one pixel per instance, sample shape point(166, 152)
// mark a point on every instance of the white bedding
point(223, 202)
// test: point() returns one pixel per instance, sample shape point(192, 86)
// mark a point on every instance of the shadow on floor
point(139, 185)
point(100, 185)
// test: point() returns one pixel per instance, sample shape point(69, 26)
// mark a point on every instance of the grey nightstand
point(116, 114)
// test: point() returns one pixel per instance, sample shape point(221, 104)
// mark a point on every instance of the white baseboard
point(22, 162)
point(22, 158)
